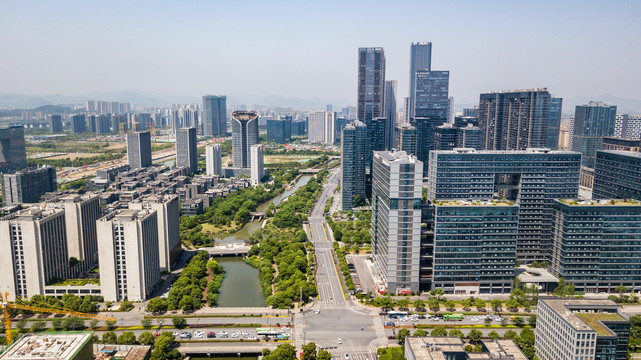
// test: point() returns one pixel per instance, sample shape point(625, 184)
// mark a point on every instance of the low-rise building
point(453, 348)
point(52, 346)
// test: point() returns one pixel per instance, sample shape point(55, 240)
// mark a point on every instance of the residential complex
point(26, 186)
point(571, 329)
point(257, 164)
point(353, 148)
point(322, 127)
point(627, 126)
point(78, 124)
point(531, 178)
point(186, 149)
point(244, 134)
point(591, 123)
point(139, 149)
point(55, 123)
point(214, 160)
point(617, 175)
point(397, 180)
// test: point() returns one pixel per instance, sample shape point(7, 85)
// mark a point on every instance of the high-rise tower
point(244, 134)
point(186, 149)
point(371, 83)
point(214, 116)
point(591, 123)
point(420, 59)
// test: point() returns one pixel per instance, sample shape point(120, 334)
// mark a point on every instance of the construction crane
point(7, 306)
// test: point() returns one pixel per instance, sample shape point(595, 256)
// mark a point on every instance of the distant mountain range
point(137, 99)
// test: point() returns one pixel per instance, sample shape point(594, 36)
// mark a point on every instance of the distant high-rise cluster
point(107, 107)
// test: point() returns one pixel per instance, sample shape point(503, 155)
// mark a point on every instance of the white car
point(340, 341)
point(223, 333)
point(234, 335)
point(175, 333)
point(317, 311)
point(199, 335)
point(198, 332)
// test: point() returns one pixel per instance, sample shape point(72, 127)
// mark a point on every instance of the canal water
point(241, 287)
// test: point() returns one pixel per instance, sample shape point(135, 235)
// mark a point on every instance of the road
point(361, 331)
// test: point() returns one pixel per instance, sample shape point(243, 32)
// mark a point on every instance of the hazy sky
point(309, 48)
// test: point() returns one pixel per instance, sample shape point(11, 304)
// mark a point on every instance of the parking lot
point(439, 319)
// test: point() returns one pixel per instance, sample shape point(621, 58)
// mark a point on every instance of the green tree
point(510, 334)
point(403, 304)
point(127, 338)
point(401, 335)
point(324, 355)
point(111, 325)
point(21, 325)
point(109, 337)
point(438, 331)
point(420, 332)
point(469, 348)
point(146, 323)
point(434, 304)
point(419, 304)
point(621, 290)
point(493, 335)
point(283, 352)
point(496, 305)
point(512, 305)
point(532, 321)
point(93, 323)
point(179, 322)
point(518, 321)
point(475, 336)
point(487, 321)
point(163, 348)
point(438, 292)
point(56, 324)
point(309, 351)
point(457, 332)
point(73, 323)
point(450, 305)
point(126, 306)
point(480, 304)
point(38, 326)
point(467, 304)
point(386, 303)
point(157, 305)
point(146, 338)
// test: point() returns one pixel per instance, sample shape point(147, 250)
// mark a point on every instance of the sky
point(307, 49)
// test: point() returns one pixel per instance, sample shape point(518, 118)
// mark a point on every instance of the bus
point(266, 332)
point(396, 314)
point(453, 317)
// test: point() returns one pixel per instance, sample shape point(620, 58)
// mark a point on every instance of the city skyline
point(558, 55)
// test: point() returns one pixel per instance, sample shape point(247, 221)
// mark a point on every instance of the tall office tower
point(376, 136)
point(167, 208)
point(78, 125)
point(471, 112)
point(406, 111)
point(554, 123)
point(81, 214)
point(330, 128)
point(299, 127)
point(186, 149)
point(280, 130)
point(13, 153)
point(406, 139)
point(470, 137)
point(191, 118)
point(34, 250)
point(514, 120)
point(339, 122)
point(450, 110)
point(244, 134)
point(445, 137)
point(214, 160)
point(531, 178)
point(91, 122)
point(139, 149)
point(176, 121)
point(214, 115)
point(144, 121)
point(27, 186)
point(617, 175)
point(371, 83)
point(257, 164)
point(319, 124)
point(612, 143)
point(55, 123)
point(420, 59)
point(353, 148)
point(591, 123)
point(91, 106)
point(475, 246)
point(396, 219)
point(607, 228)
point(628, 126)
point(431, 108)
point(103, 124)
point(128, 254)
point(390, 112)
point(571, 329)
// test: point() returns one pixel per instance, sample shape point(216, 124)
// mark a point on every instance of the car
point(234, 335)
point(211, 334)
point(199, 335)
point(186, 335)
point(340, 341)
point(346, 356)
point(223, 333)
point(317, 311)
point(252, 338)
point(175, 333)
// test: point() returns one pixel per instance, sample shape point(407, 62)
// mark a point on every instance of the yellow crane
point(7, 306)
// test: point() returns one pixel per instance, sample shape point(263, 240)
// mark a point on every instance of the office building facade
point(589, 238)
point(591, 123)
point(397, 180)
point(514, 120)
point(244, 135)
point(475, 246)
point(617, 175)
point(81, 214)
point(353, 148)
point(389, 112)
point(571, 329)
point(27, 186)
point(139, 149)
point(470, 137)
point(627, 126)
point(613, 143)
point(279, 130)
point(34, 248)
point(322, 127)
point(257, 164)
point(128, 253)
point(554, 123)
point(406, 139)
point(531, 178)
point(420, 59)
point(55, 123)
point(13, 153)
point(371, 83)
point(186, 149)
point(214, 115)
point(214, 160)
point(445, 137)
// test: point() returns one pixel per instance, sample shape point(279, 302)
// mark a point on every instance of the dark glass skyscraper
point(55, 123)
point(139, 149)
point(186, 148)
point(445, 137)
point(431, 108)
point(420, 59)
point(353, 148)
point(554, 123)
point(617, 175)
point(78, 124)
point(214, 115)
point(514, 120)
point(280, 130)
point(371, 83)
point(13, 153)
point(406, 139)
point(376, 136)
point(244, 134)
point(390, 113)
point(591, 123)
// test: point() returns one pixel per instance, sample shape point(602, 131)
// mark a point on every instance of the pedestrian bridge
point(227, 250)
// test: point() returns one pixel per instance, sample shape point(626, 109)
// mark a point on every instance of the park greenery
point(354, 232)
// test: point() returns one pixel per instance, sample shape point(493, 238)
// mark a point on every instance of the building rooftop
point(244, 115)
point(604, 202)
point(444, 347)
point(49, 346)
point(493, 202)
point(584, 315)
point(518, 91)
point(623, 153)
point(510, 152)
point(531, 275)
